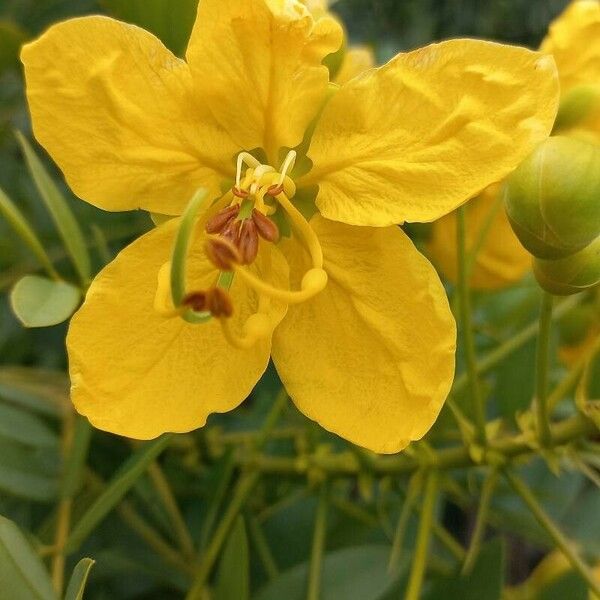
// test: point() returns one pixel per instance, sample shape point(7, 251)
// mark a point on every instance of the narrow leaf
point(25, 428)
point(120, 484)
point(233, 578)
point(59, 209)
point(41, 302)
point(79, 579)
point(22, 574)
point(19, 223)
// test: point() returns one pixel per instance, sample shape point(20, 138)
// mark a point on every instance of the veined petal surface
point(118, 113)
point(257, 63)
point(137, 373)
point(416, 138)
point(371, 357)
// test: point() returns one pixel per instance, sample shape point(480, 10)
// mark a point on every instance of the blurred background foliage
point(144, 531)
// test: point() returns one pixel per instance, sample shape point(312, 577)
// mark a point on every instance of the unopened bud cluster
point(553, 204)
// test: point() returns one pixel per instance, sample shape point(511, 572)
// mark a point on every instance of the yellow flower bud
point(552, 198)
point(571, 274)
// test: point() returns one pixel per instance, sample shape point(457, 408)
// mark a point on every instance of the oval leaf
point(41, 302)
point(22, 574)
point(19, 426)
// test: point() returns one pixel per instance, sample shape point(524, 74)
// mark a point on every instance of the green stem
point(241, 493)
point(262, 547)
point(169, 502)
point(318, 545)
point(490, 360)
point(415, 582)
point(541, 371)
point(457, 457)
point(548, 525)
point(467, 329)
point(487, 492)
point(243, 490)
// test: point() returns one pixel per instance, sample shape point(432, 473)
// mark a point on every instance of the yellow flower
point(363, 336)
point(500, 259)
point(574, 41)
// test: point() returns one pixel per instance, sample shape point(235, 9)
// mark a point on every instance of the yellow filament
point(257, 327)
point(249, 160)
point(288, 165)
point(313, 282)
point(306, 231)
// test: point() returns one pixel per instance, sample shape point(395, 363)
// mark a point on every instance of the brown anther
point(240, 193)
point(275, 190)
point(222, 253)
point(195, 300)
point(217, 222)
point(219, 303)
point(265, 227)
point(231, 231)
point(248, 244)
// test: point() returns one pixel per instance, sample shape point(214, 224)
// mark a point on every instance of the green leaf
point(22, 573)
point(358, 573)
point(568, 586)
point(59, 209)
point(40, 390)
point(11, 38)
point(19, 223)
point(484, 583)
point(233, 578)
point(76, 458)
point(41, 302)
point(119, 485)
point(78, 579)
point(27, 429)
point(171, 21)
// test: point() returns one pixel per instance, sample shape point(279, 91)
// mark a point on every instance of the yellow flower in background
point(500, 260)
point(356, 320)
point(574, 41)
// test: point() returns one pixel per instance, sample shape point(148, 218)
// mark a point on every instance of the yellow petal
point(370, 358)
point(574, 41)
point(501, 260)
point(118, 113)
point(356, 60)
point(137, 373)
point(416, 138)
point(257, 63)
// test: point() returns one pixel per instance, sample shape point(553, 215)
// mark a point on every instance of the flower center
point(235, 225)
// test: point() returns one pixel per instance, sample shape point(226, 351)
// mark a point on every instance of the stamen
point(249, 160)
point(288, 165)
point(313, 282)
point(222, 253)
point(265, 227)
point(248, 242)
point(257, 327)
point(217, 223)
point(218, 303)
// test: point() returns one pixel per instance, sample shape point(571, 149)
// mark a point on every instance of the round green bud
point(572, 274)
point(552, 197)
point(577, 106)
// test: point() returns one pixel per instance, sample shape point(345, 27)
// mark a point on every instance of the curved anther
point(239, 192)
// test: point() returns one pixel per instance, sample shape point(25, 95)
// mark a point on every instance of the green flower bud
point(572, 274)
point(577, 106)
point(552, 198)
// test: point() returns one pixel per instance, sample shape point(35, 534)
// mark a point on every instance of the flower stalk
point(318, 545)
point(541, 370)
point(467, 329)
